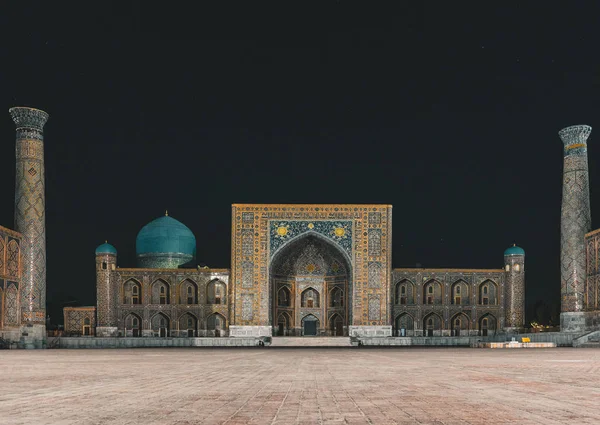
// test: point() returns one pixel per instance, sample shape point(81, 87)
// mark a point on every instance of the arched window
point(508, 267)
point(160, 292)
point(104, 267)
point(488, 293)
point(283, 297)
point(405, 292)
point(517, 268)
point(336, 297)
point(189, 292)
point(310, 298)
point(132, 292)
point(216, 292)
point(432, 292)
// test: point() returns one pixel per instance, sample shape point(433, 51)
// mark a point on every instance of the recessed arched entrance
point(310, 325)
point(310, 287)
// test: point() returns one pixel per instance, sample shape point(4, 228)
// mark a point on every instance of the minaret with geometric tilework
point(30, 220)
point(574, 224)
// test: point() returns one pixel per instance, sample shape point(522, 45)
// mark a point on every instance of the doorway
point(309, 325)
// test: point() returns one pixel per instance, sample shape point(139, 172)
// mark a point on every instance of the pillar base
point(250, 331)
point(32, 336)
point(107, 331)
point(573, 321)
point(366, 331)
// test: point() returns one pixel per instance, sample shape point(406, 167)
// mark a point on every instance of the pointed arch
point(405, 324)
point(459, 293)
point(310, 298)
point(405, 292)
point(188, 324)
point(460, 324)
point(488, 293)
point(487, 324)
point(160, 324)
point(132, 291)
point(284, 323)
point(188, 292)
point(310, 325)
point(160, 292)
point(336, 297)
point(2, 254)
point(284, 296)
point(433, 292)
point(336, 325)
point(132, 325)
point(216, 324)
point(432, 325)
point(216, 292)
point(12, 258)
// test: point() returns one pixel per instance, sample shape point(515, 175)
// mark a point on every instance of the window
point(163, 295)
point(135, 295)
point(429, 300)
point(457, 323)
point(430, 322)
point(485, 290)
point(190, 295)
point(430, 290)
point(458, 290)
point(190, 322)
point(112, 266)
point(134, 322)
point(104, 266)
point(508, 267)
point(517, 267)
point(403, 290)
point(457, 300)
point(86, 321)
point(218, 294)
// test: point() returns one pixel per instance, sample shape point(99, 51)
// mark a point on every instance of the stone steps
point(311, 341)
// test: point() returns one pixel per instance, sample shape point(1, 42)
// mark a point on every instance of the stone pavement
point(300, 386)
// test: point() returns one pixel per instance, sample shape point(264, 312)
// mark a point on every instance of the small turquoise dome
point(514, 250)
point(165, 243)
point(106, 248)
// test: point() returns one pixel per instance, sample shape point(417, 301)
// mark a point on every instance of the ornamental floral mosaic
point(339, 232)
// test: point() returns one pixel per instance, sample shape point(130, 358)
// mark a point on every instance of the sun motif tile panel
point(339, 231)
point(273, 225)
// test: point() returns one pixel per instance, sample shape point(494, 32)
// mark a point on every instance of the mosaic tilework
point(247, 306)
point(374, 308)
point(338, 231)
point(575, 217)
point(247, 274)
point(374, 242)
point(2, 255)
point(448, 278)
point(30, 214)
point(11, 305)
point(592, 286)
point(515, 291)
point(374, 274)
point(75, 319)
point(106, 295)
point(275, 225)
point(12, 258)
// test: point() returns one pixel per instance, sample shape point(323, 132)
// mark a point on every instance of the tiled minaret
point(574, 224)
point(514, 272)
point(30, 220)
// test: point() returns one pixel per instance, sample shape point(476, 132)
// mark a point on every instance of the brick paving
point(300, 386)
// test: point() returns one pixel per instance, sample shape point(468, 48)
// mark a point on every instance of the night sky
point(449, 113)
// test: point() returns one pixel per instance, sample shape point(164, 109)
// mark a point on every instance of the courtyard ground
point(300, 386)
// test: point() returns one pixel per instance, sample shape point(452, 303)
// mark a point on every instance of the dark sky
point(449, 113)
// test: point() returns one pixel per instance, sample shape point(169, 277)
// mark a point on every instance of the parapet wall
point(96, 342)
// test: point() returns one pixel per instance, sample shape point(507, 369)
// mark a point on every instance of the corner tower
point(106, 295)
point(514, 270)
point(575, 222)
point(30, 220)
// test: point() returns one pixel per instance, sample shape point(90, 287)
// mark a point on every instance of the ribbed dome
point(106, 248)
point(165, 243)
point(514, 250)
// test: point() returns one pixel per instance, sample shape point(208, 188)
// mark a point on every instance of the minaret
point(106, 296)
point(30, 220)
point(574, 224)
point(514, 299)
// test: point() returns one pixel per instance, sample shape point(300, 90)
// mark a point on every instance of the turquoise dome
point(165, 243)
point(106, 248)
point(514, 250)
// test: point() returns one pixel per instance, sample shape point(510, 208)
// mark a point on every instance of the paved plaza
point(300, 386)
